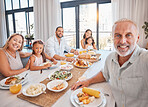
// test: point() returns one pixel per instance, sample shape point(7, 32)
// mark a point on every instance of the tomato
point(86, 94)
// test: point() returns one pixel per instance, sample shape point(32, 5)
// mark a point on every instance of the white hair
point(125, 20)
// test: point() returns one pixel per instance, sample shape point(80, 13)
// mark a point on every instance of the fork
point(24, 76)
point(41, 71)
point(105, 94)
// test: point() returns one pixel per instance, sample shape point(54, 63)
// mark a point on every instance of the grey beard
point(59, 36)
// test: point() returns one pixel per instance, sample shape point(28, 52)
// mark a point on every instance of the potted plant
point(145, 27)
point(29, 37)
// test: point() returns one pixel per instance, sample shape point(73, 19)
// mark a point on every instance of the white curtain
point(47, 16)
point(136, 10)
point(3, 31)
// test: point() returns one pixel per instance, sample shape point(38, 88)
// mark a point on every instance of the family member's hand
point(76, 52)
point(55, 62)
point(80, 84)
point(47, 65)
point(70, 59)
point(28, 64)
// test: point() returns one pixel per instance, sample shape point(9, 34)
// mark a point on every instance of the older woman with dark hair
point(10, 56)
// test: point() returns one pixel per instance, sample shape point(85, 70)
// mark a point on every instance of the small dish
point(66, 67)
point(35, 93)
point(55, 83)
point(52, 66)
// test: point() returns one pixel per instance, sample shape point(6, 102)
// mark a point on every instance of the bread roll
point(84, 56)
point(69, 55)
point(91, 92)
point(91, 53)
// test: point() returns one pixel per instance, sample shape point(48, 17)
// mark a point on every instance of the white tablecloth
point(10, 100)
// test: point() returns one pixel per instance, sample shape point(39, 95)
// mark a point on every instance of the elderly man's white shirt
point(129, 83)
point(53, 47)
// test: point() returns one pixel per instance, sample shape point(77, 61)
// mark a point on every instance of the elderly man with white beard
point(126, 69)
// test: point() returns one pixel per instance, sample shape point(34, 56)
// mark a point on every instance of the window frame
point(76, 4)
point(13, 11)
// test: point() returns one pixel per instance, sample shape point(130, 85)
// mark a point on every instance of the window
point(19, 16)
point(69, 25)
point(87, 19)
point(105, 27)
point(80, 15)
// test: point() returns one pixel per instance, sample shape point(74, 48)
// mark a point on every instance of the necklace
point(12, 54)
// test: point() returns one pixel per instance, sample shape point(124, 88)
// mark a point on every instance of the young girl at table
point(39, 57)
point(89, 43)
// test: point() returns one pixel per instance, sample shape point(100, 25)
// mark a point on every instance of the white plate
point(101, 101)
point(2, 82)
point(24, 90)
point(6, 87)
point(66, 67)
point(58, 79)
point(54, 83)
point(81, 66)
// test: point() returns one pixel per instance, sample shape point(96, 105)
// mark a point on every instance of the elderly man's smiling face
point(125, 37)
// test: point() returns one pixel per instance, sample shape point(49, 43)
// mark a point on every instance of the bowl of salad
point(60, 75)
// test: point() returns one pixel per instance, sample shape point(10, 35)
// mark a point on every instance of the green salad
point(61, 75)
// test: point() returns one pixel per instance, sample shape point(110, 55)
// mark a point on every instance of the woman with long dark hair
point(87, 34)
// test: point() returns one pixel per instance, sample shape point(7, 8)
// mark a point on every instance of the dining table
point(7, 99)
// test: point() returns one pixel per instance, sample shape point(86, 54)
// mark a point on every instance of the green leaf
point(143, 26)
point(146, 37)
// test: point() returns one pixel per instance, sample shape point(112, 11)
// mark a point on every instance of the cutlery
point(41, 71)
point(105, 94)
point(22, 78)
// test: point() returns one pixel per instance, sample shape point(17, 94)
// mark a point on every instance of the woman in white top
point(10, 62)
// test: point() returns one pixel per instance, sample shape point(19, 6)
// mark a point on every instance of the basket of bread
point(91, 56)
